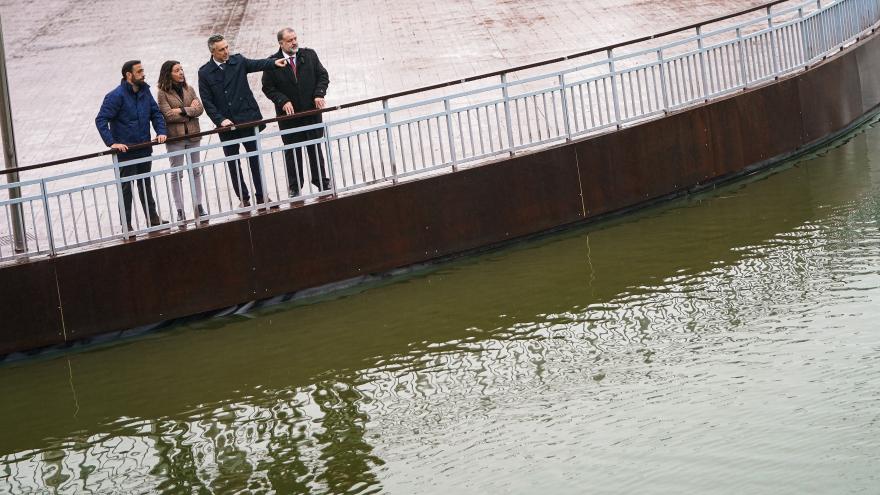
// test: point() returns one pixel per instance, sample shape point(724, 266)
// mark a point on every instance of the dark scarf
point(178, 88)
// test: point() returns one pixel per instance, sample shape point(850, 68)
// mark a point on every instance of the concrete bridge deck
point(64, 55)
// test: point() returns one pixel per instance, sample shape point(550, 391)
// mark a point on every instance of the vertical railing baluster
point(122, 217)
point(564, 107)
point(663, 80)
point(706, 91)
point(773, 44)
point(614, 96)
point(260, 168)
point(506, 95)
point(45, 198)
point(451, 136)
point(331, 170)
point(744, 77)
point(390, 137)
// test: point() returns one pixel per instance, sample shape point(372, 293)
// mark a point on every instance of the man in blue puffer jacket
point(124, 120)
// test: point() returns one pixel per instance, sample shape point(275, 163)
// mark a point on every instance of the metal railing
point(392, 138)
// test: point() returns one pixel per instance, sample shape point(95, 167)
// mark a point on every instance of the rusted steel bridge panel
point(831, 97)
point(155, 279)
point(415, 222)
point(33, 317)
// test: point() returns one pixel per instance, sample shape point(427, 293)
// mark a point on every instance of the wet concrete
point(63, 56)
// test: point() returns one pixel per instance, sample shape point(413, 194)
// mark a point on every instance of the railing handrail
point(400, 94)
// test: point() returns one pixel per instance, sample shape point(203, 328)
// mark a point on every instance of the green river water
point(723, 343)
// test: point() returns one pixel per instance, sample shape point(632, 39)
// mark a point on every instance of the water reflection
point(719, 321)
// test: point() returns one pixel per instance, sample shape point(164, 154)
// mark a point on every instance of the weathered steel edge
point(82, 295)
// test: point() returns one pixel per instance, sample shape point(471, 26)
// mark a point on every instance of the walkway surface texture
point(64, 55)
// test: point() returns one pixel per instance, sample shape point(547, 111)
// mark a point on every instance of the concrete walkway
point(64, 55)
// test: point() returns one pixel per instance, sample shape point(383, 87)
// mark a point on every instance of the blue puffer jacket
point(125, 116)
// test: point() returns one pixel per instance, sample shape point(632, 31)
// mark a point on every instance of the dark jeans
point(145, 186)
point(239, 185)
point(295, 177)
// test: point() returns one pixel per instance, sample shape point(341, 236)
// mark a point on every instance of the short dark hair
point(214, 39)
point(129, 67)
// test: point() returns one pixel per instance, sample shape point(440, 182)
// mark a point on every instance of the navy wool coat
point(225, 92)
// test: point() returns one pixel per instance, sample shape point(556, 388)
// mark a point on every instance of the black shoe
point(156, 220)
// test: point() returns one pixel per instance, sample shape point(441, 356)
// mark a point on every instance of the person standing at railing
point(299, 87)
point(181, 107)
point(229, 101)
point(124, 120)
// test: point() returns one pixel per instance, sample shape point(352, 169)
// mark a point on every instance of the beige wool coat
point(170, 105)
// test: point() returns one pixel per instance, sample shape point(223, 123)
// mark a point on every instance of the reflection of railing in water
point(517, 110)
point(310, 440)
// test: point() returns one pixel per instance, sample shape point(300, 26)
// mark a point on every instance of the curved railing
point(392, 138)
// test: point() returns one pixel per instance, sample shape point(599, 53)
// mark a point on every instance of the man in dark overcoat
point(299, 87)
point(228, 101)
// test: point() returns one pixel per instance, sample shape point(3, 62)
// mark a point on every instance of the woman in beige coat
point(181, 107)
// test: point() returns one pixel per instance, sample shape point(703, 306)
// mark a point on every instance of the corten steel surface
point(158, 278)
point(837, 83)
point(415, 222)
point(155, 279)
point(869, 74)
point(33, 318)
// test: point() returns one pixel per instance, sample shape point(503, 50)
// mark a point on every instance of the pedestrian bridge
point(448, 126)
point(441, 170)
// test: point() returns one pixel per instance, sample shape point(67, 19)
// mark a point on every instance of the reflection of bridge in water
point(408, 135)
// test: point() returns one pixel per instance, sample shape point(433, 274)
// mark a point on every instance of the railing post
point(663, 88)
point(390, 136)
point(706, 90)
point(124, 219)
point(509, 120)
point(45, 198)
point(447, 108)
point(742, 58)
point(803, 29)
point(330, 168)
point(260, 167)
point(192, 183)
point(564, 108)
point(774, 56)
point(614, 96)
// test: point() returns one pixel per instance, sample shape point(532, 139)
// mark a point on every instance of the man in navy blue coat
point(228, 101)
point(124, 120)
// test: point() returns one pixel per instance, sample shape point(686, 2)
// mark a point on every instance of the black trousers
point(239, 185)
point(318, 172)
point(145, 186)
